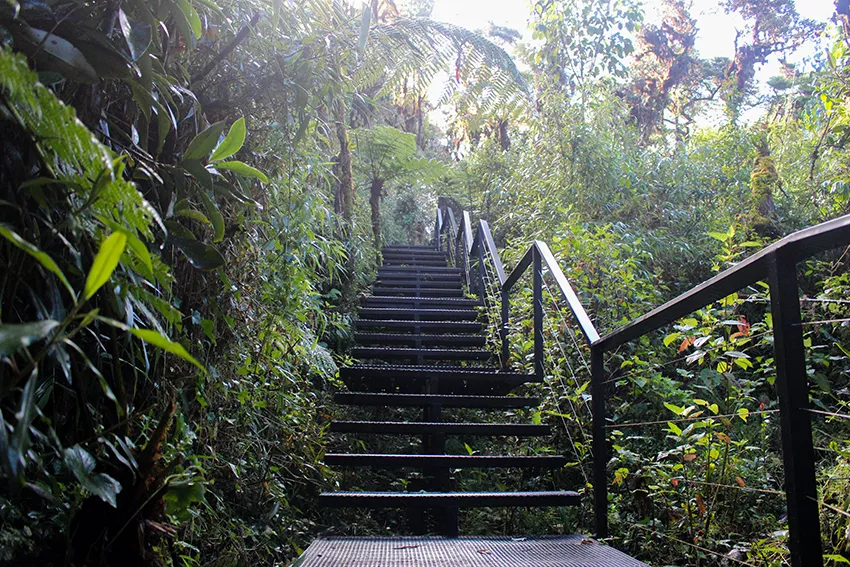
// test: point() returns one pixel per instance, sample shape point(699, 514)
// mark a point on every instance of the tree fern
point(70, 151)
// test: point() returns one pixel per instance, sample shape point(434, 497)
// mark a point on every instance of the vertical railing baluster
point(537, 277)
point(506, 313)
point(600, 445)
point(798, 454)
point(482, 289)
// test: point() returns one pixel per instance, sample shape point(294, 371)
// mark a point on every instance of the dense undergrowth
point(190, 192)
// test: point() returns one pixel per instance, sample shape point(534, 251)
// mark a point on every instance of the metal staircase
point(422, 342)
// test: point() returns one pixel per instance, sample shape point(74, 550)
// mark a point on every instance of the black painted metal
point(422, 400)
point(420, 427)
point(552, 551)
point(459, 499)
point(419, 326)
point(792, 386)
point(778, 262)
point(439, 460)
point(537, 282)
point(600, 445)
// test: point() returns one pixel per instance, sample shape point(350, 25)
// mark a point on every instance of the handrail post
point(506, 313)
point(537, 277)
point(798, 454)
point(479, 282)
point(600, 444)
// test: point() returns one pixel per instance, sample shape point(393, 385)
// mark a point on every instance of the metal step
point(415, 302)
point(403, 371)
point(417, 326)
point(450, 461)
point(419, 340)
point(414, 292)
point(427, 247)
point(397, 262)
point(401, 313)
point(453, 499)
point(432, 379)
point(426, 353)
point(499, 551)
point(449, 282)
point(423, 400)
point(413, 251)
point(446, 428)
point(419, 270)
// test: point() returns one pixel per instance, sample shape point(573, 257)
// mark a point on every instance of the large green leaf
point(137, 34)
point(154, 338)
point(202, 144)
point(197, 170)
point(181, 495)
point(135, 244)
point(192, 17)
point(82, 464)
point(243, 169)
point(232, 143)
point(365, 22)
point(20, 441)
point(18, 336)
point(200, 255)
point(163, 342)
point(42, 257)
point(214, 215)
point(55, 53)
point(105, 263)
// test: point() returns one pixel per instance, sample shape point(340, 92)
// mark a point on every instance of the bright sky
point(716, 29)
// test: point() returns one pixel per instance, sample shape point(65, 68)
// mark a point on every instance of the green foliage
point(584, 40)
point(176, 290)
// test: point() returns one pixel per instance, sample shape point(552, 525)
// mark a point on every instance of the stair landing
point(555, 551)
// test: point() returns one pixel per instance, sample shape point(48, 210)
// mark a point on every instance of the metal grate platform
point(559, 551)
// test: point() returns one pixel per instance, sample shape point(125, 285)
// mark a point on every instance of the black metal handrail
point(777, 263)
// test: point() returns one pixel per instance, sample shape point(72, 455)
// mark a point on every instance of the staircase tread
point(411, 299)
point(412, 339)
point(454, 461)
point(415, 351)
point(458, 494)
point(417, 310)
point(433, 325)
point(447, 400)
point(438, 369)
point(486, 551)
point(418, 427)
point(460, 499)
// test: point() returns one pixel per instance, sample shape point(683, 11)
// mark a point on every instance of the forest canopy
point(195, 193)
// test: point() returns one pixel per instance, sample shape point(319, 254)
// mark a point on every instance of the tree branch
point(243, 33)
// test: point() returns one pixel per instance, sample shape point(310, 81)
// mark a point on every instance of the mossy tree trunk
point(764, 180)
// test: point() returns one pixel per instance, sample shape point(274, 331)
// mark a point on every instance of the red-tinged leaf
point(701, 504)
point(723, 437)
point(690, 457)
point(761, 406)
point(675, 482)
point(686, 343)
point(744, 327)
point(740, 482)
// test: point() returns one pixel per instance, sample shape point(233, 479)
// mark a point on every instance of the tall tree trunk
point(344, 197)
point(344, 200)
point(375, 203)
